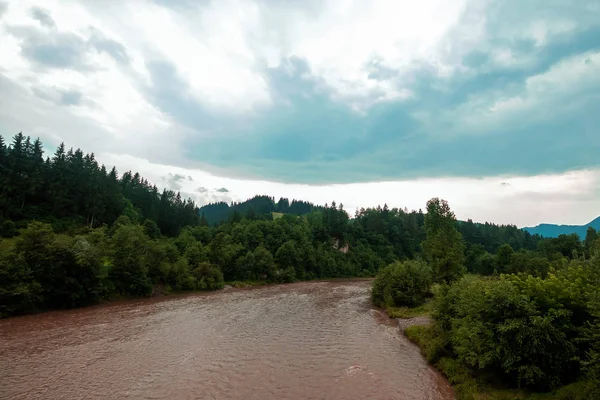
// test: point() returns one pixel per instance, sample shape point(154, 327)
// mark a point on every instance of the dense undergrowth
point(530, 334)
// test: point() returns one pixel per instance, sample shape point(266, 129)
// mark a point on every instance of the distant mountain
point(552, 231)
point(258, 206)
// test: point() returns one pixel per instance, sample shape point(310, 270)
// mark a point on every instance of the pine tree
point(59, 182)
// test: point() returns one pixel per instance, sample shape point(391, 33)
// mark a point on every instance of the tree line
point(260, 206)
point(71, 189)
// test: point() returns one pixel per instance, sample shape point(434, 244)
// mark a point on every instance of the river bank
point(417, 326)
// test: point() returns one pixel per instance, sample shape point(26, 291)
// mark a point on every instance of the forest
point(505, 303)
point(261, 207)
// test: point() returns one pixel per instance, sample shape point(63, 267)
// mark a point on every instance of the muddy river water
point(310, 340)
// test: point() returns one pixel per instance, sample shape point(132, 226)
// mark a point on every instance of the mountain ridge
point(554, 230)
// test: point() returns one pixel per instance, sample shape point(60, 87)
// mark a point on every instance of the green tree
point(443, 247)
point(591, 237)
point(130, 269)
point(287, 255)
point(8, 229)
point(245, 266)
point(209, 276)
point(495, 329)
point(151, 229)
point(504, 256)
point(67, 268)
point(264, 263)
point(399, 284)
point(19, 291)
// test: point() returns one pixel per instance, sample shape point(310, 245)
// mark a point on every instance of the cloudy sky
point(493, 105)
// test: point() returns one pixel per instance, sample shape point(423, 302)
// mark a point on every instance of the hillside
point(258, 206)
point(552, 230)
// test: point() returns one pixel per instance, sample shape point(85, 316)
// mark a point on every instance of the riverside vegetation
point(504, 326)
point(525, 315)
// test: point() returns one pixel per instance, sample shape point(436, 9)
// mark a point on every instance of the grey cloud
point(71, 97)
point(170, 93)
point(3, 8)
point(57, 96)
point(64, 50)
point(202, 189)
point(43, 17)
point(190, 179)
point(475, 59)
point(223, 190)
point(60, 50)
point(109, 46)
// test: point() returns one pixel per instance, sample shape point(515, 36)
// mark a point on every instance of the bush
point(287, 275)
point(526, 330)
point(8, 229)
point(209, 276)
point(401, 284)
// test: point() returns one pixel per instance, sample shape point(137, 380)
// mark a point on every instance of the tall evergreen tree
point(443, 247)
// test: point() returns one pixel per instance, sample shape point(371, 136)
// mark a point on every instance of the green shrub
point(287, 275)
point(526, 330)
point(8, 229)
point(209, 276)
point(401, 284)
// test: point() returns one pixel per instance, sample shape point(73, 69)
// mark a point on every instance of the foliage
point(527, 330)
point(130, 261)
point(405, 283)
point(287, 275)
point(72, 186)
point(563, 246)
point(8, 229)
point(470, 386)
point(209, 277)
point(443, 247)
point(258, 207)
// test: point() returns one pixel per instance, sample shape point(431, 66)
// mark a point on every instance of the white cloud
point(114, 102)
point(218, 48)
point(572, 197)
point(341, 42)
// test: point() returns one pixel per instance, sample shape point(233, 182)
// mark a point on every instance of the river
point(308, 340)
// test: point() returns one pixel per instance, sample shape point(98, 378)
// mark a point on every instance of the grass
point(242, 284)
point(277, 215)
point(468, 386)
point(410, 312)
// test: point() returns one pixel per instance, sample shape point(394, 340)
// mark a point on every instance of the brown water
point(311, 340)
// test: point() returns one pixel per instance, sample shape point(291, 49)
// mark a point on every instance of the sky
point(493, 105)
